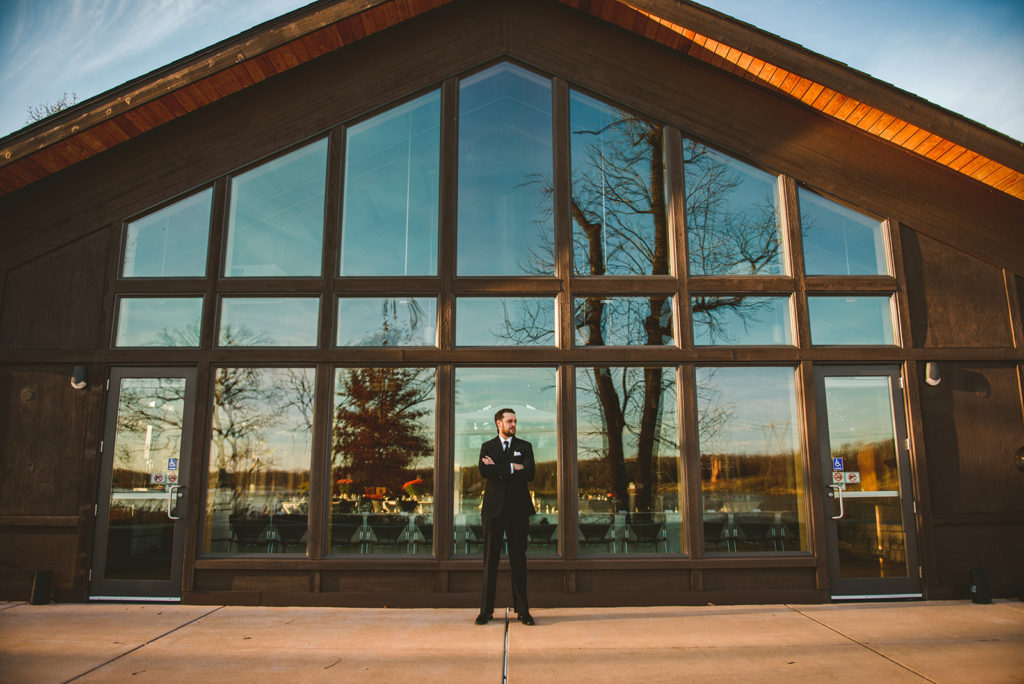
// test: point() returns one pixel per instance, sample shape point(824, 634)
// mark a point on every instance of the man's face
point(507, 424)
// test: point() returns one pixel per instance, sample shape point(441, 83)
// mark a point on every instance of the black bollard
point(40, 587)
point(980, 592)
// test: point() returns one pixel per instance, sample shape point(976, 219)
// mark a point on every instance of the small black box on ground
point(40, 587)
point(980, 591)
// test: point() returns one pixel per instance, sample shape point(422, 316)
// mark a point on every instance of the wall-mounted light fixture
point(79, 377)
point(931, 373)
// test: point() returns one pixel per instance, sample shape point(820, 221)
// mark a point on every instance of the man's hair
point(501, 414)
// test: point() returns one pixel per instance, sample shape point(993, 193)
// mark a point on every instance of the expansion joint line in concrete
point(861, 644)
point(132, 650)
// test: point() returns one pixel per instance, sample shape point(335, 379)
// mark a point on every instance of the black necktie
point(505, 449)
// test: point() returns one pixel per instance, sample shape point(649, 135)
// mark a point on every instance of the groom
point(506, 463)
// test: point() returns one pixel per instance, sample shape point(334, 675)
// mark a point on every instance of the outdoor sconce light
point(79, 377)
point(931, 373)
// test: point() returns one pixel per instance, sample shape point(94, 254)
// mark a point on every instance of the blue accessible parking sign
point(172, 464)
point(837, 464)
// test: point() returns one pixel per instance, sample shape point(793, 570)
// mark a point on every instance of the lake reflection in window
point(738, 320)
point(487, 321)
point(389, 225)
point(627, 446)
point(170, 243)
point(505, 226)
point(268, 322)
point(382, 461)
point(620, 225)
point(387, 321)
point(257, 499)
point(623, 321)
point(479, 393)
point(276, 220)
point(851, 320)
point(732, 215)
point(159, 321)
point(751, 466)
point(838, 240)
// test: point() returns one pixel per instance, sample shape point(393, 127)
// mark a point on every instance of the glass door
point(140, 524)
point(869, 503)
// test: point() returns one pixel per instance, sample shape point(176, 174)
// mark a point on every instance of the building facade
point(251, 350)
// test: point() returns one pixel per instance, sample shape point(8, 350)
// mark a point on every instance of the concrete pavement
point(932, 641)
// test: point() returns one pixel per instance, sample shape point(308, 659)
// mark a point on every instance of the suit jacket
point(507, 492)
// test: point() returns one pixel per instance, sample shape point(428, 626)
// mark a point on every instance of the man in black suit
point(506, 463)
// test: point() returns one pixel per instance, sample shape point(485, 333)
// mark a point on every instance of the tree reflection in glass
point(387, 321)
point(260, 448)
point(620, 225)
point(751, 469)
point(623, 321)
point(732, 215)
point(522, 321)
point(268, 321)
point(389, 224)
point(627, 451)
point(740, 320)
point(150, 417)
point(504, 142)
point(159, 321)
point(479, 393)
point(382, 461)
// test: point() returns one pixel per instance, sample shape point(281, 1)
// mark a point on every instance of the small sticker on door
point(172, 464)
point(172, 478)
point(837, 463)
point(838, 477)
point(852, 477)
point(157, 478)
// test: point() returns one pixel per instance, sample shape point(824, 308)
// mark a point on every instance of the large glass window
point(838, 240)
point(851, 320)
point(486, 321)
point(387, 322)
point(732, 215)
point(159, 321)
point(620, 226)
point(479, 393)
point(505, 226)
point(623, 321)
point(752, 487)
point(171, 242)
point(627, 451)
point(276, 219)
point(391, 192)
point(741, 320)
point(260, 446)
point(268, 322)
point(382, 461)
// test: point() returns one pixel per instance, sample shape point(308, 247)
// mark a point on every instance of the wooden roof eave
point(838, 76)
point(189, 70)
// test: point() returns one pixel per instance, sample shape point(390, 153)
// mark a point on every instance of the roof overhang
point(829, 87)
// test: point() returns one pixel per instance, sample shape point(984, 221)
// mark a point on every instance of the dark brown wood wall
point(61, 234)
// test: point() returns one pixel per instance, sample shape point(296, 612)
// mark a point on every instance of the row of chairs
point(763, 531)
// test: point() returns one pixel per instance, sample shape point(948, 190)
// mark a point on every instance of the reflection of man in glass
point(506, 463)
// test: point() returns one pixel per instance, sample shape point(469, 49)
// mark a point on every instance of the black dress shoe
point(527, 619)
point(483, 618)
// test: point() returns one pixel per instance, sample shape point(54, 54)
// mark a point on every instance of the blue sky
point(965, 55)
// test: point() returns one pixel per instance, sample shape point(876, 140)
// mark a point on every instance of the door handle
point(838, 495)
point(172, 498)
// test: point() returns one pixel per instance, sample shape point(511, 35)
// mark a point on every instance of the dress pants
point(495, 529)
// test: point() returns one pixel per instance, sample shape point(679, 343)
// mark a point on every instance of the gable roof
point(832, 88)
